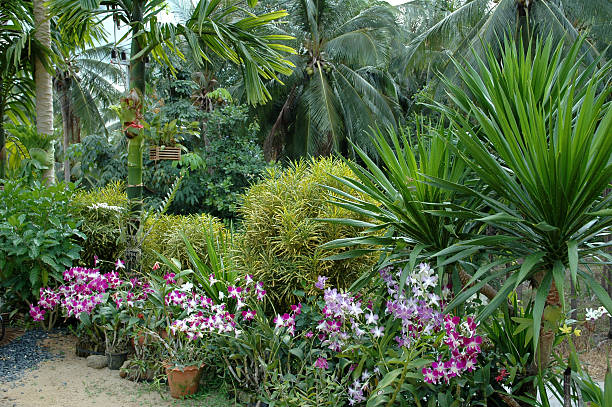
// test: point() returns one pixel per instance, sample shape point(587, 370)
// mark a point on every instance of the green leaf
point(527, 266)
point(545, 227)
point(388, 379)
point(297, 352)
point(500, 217)
point(572, 255)
point(559, 277)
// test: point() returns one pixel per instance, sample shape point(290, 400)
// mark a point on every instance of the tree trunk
point(63, 83)
point(44, 87)
point(547, 336)
point(135, 142)
point(274, 142)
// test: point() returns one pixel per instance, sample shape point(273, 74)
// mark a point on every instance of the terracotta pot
point(183, 382)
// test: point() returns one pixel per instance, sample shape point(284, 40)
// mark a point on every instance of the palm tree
point(16, 84)
point(44, 87)
point(341, 86)
point(536, 128)
point(477, 24)
point(84, 84)
point(215, 27)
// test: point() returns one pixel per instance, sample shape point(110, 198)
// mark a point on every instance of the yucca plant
point(420, 220)
point(535, 127)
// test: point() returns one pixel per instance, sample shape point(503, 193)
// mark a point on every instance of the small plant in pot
point(90, 336)
point(165, 137)
point(103, 298)
point(115, 335)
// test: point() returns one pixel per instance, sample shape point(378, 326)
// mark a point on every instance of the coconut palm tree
point(476, 24)
point(340, 87)
point(84, 84)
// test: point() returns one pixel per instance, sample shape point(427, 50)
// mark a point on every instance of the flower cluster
point(287, 320)
point(595, 314)
point(358, 387)
point(341, 319)
point(349, 319)
point(85, 290)
point(464, 346)
point(202, 316)
point(104, 205)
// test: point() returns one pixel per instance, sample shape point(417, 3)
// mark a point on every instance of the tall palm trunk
point(44, 87)
point(135, 145)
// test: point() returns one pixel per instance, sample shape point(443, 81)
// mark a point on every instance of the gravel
point(23, 354)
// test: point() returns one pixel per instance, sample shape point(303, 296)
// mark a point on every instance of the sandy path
point(68, 382)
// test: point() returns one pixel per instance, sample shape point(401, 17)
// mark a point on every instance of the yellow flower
point(577, 332)
point(566, 329)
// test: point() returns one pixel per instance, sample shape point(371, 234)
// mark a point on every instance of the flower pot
point(115, 359)
point(183, 382)
point(85, 348)
point(165, 153)
point(83, 352)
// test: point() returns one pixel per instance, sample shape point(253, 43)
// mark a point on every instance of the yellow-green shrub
point(164, 236)
point(280, 239)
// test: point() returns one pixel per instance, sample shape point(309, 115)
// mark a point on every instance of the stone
point(97, 361)
point(123, 370)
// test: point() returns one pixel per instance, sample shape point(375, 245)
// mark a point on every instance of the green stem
point(135, 144)
point(401, 381)
point(2, 134)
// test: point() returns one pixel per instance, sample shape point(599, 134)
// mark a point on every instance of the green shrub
point(39, 238)
point(102, 211)
point(280, 240)
point(164, 236)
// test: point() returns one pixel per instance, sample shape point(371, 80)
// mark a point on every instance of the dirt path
point(68, 382)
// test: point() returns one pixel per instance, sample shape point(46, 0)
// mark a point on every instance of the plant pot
point(83, 352)
point(183, 382)
point(115, 359)
point(164, 153)
point(86, 348)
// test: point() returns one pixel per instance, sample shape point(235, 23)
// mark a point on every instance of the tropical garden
point(313, 202)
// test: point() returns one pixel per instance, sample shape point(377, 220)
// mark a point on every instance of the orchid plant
point(193, 316)
point(87, 291)
point(405, 327)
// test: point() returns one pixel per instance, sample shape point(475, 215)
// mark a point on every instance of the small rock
point(124, 369)
point(96, 361)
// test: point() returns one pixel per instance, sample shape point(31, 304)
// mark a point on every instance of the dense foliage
point(427, 247)
point(39, 238)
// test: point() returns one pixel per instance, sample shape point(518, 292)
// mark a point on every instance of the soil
point(68, 382)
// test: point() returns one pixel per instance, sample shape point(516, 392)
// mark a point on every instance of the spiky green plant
point(535, 128)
